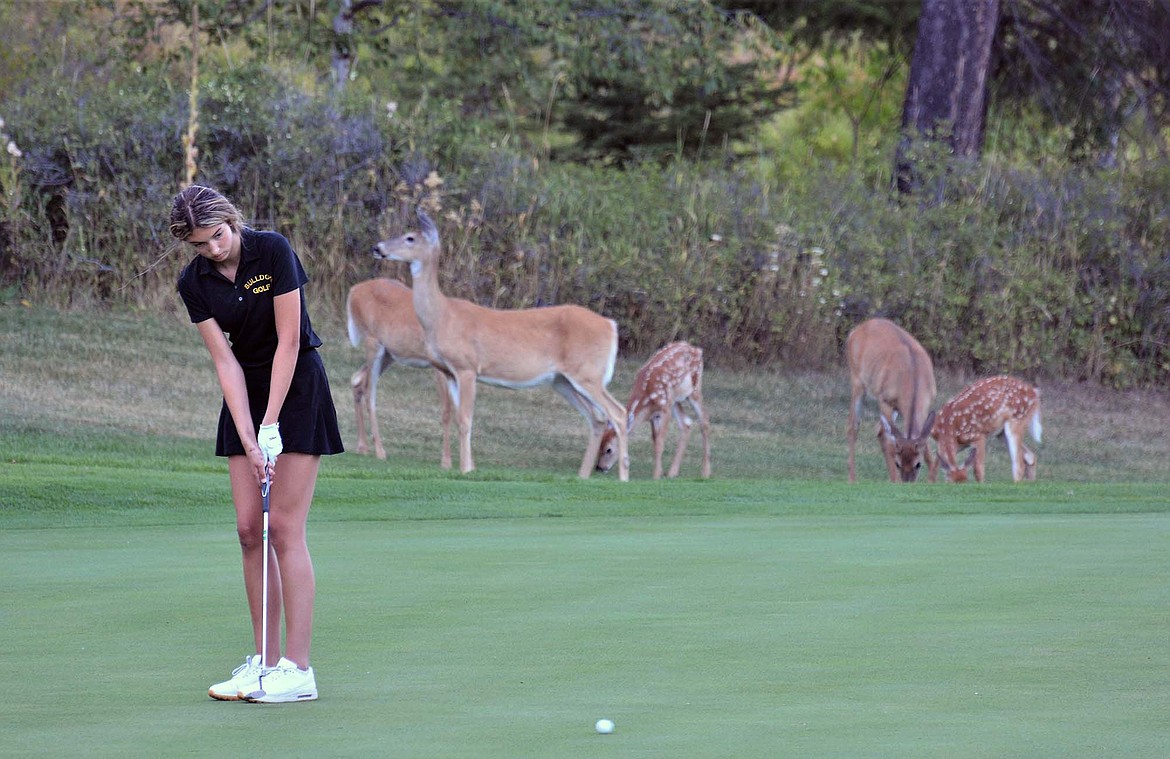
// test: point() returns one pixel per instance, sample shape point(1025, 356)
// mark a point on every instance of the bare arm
point(288, 348)
point(235, 391)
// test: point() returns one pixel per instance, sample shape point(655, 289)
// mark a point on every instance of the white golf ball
point(604, 726)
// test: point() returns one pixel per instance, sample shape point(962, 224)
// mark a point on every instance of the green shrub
point(996, 266)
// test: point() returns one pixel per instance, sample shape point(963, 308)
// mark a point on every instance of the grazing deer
point(673, 376)
point(984, 408)
point(569, 347)
point(886, 362)
point(380, 316)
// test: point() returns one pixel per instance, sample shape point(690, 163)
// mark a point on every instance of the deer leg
point(854, 423)
point(696, 400)
point(594, 417)
point(980, 457)
point(376, 369)
point(445, 408)
point(1029, 463)
point(684, 424)
point(464, 411)
point(357, 384)
point(658, 436)
point(1013, 434)
point(597, 427)
point(887, 440)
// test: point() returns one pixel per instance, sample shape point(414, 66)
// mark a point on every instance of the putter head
point(259, 692)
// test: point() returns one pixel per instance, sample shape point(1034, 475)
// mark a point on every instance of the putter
point(264, 487)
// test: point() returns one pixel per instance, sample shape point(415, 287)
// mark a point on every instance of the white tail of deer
point(886, 362)
point(569, 347)
point(380, 317)
point(984, 408)
point(671, 378)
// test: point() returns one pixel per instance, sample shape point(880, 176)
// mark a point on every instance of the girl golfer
point(244, 291)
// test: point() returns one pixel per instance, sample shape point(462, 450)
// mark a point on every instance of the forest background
point(731, 174)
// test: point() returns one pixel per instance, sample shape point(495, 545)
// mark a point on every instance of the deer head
point(607, 455)
point(411, 247)
point(908, 452)
point(959, 473)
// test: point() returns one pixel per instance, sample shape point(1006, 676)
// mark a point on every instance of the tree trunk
point(946, 96)
point(342, 59)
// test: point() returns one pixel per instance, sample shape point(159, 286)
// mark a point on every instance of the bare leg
point(292, 495)
point(249, 528)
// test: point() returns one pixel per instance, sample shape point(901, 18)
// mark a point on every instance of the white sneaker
point(282, 684)
point(229, 690)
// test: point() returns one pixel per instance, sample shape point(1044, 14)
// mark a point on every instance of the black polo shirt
point(243, 309)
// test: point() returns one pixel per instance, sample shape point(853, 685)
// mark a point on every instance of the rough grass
point(142, 374)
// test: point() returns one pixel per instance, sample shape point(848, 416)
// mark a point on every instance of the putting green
point(704, 636)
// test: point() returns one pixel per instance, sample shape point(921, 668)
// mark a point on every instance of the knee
point(251, 536)
point(286, 536)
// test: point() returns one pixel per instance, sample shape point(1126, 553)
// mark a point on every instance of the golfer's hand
point(263, 470)
point(269, 441)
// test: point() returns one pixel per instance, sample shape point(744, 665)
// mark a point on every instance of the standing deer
point(984, 408)
point(673, 376)
point(569, 347)
point(886, 362)
point(380, 316)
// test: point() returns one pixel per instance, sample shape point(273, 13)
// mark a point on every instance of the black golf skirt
point(308, 420)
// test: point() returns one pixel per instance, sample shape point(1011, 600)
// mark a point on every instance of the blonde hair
point(199, 207)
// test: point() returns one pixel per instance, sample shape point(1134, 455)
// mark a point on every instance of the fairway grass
point(701, 636)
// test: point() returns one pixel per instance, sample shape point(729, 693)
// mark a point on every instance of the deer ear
point(927, 426)
point(888, 429)
point(430, 232)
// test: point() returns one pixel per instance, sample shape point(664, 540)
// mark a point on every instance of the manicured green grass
point(773, 610)
point(704, 636)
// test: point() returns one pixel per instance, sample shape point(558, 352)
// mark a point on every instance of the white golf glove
point(269, 441)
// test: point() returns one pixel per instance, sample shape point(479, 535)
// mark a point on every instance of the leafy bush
point(1002, 267)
